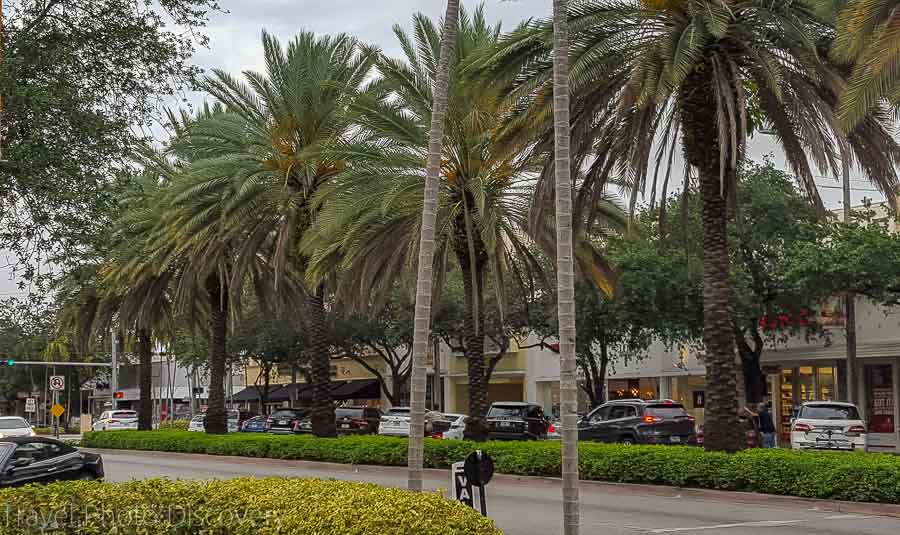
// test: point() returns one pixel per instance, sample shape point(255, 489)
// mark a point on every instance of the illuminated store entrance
point(798, 385)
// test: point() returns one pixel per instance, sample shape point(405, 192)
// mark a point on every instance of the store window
point(880, 407)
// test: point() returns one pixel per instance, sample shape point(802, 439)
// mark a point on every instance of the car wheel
point(627, 441)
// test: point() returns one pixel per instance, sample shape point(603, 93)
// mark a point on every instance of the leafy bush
point(180, 425)
point(237, 506)
point(839, 476)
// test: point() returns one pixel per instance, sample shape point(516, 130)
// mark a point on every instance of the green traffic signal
point(10, 362)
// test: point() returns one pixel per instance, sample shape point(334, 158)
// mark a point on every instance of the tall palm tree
point(373, 212)
point(704, 73)
point(868, 40)
point(257, 164)
point(424, 276)
point(565, 269)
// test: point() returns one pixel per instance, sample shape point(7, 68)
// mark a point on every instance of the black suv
point(284, 421)
point(510, 420)
point(634, 421)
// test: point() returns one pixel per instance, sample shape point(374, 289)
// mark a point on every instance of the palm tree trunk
point(701, 147)
point(473, 334)
point(424, 279)
point(145, 371)
point(216, 421)
point(565, 271)
point(323, 424)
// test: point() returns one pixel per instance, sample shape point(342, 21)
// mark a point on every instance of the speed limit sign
point(57, 382)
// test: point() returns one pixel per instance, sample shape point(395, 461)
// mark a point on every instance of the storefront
point(878, 388)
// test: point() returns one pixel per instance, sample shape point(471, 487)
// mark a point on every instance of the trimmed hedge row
point(238, 506)
point(838, 476)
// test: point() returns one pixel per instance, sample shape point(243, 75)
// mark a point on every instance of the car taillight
point(856, 430)
point(360, 422)
point(802, 428)
point(438, 435)
point(649, 419)
point(551, 428)
point(691, 419)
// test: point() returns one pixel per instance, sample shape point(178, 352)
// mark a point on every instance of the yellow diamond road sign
point(57, 410)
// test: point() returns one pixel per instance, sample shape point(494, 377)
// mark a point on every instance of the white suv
point(828, 425)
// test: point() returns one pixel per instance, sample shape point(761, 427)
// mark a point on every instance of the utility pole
point(850, 299)
point(114, 376)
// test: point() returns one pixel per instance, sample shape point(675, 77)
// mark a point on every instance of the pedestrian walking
point(766, 425)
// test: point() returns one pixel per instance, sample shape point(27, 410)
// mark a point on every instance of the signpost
point(57, 384)
point(31, 405)
point(476, 471)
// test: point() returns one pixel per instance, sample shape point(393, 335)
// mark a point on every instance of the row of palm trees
point(323, 180)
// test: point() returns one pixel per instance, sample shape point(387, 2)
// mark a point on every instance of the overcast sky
point(235, 46)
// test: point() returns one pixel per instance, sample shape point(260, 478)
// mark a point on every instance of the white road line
point(761, 523)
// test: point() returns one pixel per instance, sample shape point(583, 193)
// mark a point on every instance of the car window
point(666, 411)
point(617, 412)
point(535, 412)
point(39, 451)
point(13, 423)
point(348, 413)
point(829, 412)
point(600, 414)
point(124, 414)
point(284, 414)
point(104, 415)
point(506, 412)
point(398, 411)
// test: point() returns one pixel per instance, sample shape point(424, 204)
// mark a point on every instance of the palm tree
point(565, 269)
point(424, 276)
point(705, 73)
point(868, 35)
point(483, 226)
point(256, 166)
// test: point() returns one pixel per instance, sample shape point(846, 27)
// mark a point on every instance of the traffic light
point(119, 395)
point(10, 362)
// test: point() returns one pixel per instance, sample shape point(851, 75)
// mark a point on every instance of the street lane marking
point(761, 523)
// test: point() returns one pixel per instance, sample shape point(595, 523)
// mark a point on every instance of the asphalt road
point(532, 506)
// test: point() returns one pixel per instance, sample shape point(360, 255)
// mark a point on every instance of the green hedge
point(839, 476)
point(180, 425)
point(236, 507)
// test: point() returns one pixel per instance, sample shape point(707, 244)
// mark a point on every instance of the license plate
point(282, 422)
point(675, 439)
point(345, 426)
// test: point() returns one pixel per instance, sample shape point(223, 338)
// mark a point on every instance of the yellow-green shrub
point(234, 507)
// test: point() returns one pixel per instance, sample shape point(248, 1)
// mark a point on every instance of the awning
point(252, 393)
point(286, 392)
point(360, 389)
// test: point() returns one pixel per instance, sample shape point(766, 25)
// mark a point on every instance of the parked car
point(284, 421)
point(256, 424)
point(14, 426)
point(197, 423)
point(457, 426)
point(116, 420)
point(635, 421)
point(395, 423)
point(516, 421)
point(43, 460)
point(828, 425)
point(357, 420)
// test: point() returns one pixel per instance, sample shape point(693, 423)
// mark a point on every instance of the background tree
point(79, 82)
point(644, 92)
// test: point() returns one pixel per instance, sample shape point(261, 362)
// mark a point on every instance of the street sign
point(462, 488)
point(57, 382)
point(30, 405)
point(57, 410)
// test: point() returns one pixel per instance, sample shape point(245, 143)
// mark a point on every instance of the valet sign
point(471, 476)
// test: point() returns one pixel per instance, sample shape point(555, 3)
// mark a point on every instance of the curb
point(721, 496)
